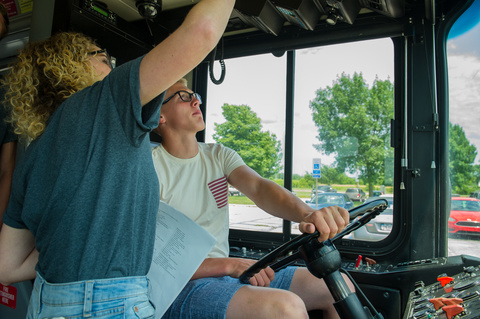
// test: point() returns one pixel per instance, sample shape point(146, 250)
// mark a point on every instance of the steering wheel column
point(323, 260)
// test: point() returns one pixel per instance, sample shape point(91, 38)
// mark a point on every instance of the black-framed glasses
point(111, 61)
point(185, 96)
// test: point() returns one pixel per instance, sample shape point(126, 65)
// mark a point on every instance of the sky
point(259, 82)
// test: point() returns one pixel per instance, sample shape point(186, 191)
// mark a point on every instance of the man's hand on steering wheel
point(328, 221)
point(263, 278)
point(236, 266)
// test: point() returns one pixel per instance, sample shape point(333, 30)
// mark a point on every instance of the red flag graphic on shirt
point(219, 189)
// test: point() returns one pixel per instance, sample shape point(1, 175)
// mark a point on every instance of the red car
point(464, 216)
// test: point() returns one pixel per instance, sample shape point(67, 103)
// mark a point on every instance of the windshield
point(252, 121)
point(329, 199)
point(466, 205)
point(463, 54)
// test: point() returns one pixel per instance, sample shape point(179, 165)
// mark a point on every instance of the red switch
point(452, 310)
point(359, 260)
point(441, 302)
point(437, 303)
point(445, 280)
point(452, 301)
point(370, 261)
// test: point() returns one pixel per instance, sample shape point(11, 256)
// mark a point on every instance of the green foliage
point(305, 181)
point(242, 132)
point(330, 176)
point(334, 175)
point(353, 123)
point(464, 176)
point(477, 174)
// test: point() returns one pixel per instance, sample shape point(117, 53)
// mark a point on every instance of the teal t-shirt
point(87, 188)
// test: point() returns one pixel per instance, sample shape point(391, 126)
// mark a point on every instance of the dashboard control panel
point(451, 297)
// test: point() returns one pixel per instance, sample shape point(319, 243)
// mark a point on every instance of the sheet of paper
point(181, 245)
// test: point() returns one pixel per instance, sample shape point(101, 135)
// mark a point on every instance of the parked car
point(356, 194)
point(323, 189)
point(464, 216)
point(330, 199)
point(232, 191)
point(377, 193)
point(379, 227)
point(475, 194)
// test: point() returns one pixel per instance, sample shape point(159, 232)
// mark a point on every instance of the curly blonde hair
point(44, 75)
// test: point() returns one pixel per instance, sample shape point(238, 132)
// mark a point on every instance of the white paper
point(181, 245)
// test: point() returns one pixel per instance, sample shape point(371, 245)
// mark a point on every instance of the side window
point(343, 109)
point(463, 53)
point(247, 113)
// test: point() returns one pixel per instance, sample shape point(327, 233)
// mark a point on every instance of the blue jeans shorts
point(209, 297)
point(125, 297)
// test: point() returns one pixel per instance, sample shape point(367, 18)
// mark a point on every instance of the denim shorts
point(209, 297)
point(125, 297)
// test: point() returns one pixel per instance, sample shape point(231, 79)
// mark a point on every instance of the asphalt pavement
point(250, 217)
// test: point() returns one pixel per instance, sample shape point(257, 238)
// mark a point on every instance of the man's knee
point(286, 304)
point(293, 307)
point(267, 303)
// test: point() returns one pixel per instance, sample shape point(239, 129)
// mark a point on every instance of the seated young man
point(193, 179)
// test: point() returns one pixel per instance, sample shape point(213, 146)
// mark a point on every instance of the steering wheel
point(369, 211)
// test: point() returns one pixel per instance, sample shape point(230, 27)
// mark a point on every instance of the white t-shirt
point(198, 187)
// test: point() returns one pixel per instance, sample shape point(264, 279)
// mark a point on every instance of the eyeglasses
point(111, 61)
point(185, 96)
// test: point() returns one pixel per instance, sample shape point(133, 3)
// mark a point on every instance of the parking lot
point(465, 245)
point(250, 217)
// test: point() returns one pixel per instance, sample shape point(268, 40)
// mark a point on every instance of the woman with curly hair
point(36, 90)
point(81, 216)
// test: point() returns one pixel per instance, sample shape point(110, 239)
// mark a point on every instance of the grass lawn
point(302, 193)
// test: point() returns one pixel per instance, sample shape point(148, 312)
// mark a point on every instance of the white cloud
point(464, 95)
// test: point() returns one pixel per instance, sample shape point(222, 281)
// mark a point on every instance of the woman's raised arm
point(185, 48)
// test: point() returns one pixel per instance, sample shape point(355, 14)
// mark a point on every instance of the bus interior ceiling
point(404, 260)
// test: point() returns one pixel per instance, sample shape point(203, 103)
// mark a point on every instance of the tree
point(334, 175)
point(242, 132)
point(463, 173)
point(353, 123)
point(477, 174)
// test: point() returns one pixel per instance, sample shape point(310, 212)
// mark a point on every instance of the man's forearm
point(281, 203)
